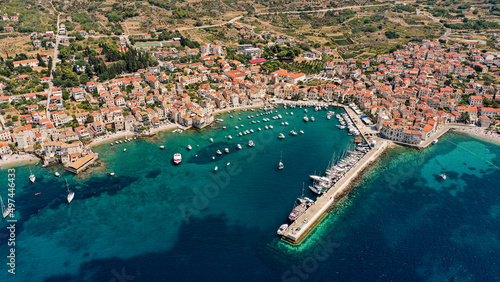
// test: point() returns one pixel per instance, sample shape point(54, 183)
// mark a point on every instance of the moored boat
point(251, 144)
point(282, 229)
point(177, 158)
point(5, 211)
point(71, 194)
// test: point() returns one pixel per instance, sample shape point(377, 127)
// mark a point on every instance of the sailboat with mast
point(281, 165)
point(32, 177)
point(71, 194)
point(5, 211)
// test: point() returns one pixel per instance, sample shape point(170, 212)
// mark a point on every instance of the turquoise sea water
point(157, 221)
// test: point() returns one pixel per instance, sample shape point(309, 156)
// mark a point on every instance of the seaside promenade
point(304, 223)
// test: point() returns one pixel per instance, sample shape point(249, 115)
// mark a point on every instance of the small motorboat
point(238, 146)
point(219, 152)
point(226, 150)
point(216, 168)
point(189, 147)
point(124, 149)
point(57, 174)
point(282, 229)
point(112, 174)
point(162, 147)
point(211, 140)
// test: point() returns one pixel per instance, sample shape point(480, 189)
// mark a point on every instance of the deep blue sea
point(154, 221)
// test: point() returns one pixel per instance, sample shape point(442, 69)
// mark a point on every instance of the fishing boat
point(226, 150)
point(282, 229)
point(5, 211)
point(32, 177)
point(189, 147)
point(280, 164)
point(219, 152)
point(57, 174)
point(281, 136)
point(177, 158)
point(251, 144)
point(71, 194)
point(238, 146)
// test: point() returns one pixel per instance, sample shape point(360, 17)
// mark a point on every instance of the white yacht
point(177, 158)
point(216, 168)
point(306, 119)
point(280, 164)
point(5, 211)
point(189, 147)
point(281, 136)
point(226, 150)
point(293, 132)
point(238, 146)
point(71, 194)
point(230, 137)
point(312, 118)
point(282, 229)
point(219, 152)
point(301, 132)
point(162, 147)
point(32, 177)
point(271, 127)
point(124, 149)
point(211, 140)
point(57, 174)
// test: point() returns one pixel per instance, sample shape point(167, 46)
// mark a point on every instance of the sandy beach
point(481, 133)
point(16, 159)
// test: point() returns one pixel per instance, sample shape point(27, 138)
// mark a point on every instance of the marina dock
point(304, 223)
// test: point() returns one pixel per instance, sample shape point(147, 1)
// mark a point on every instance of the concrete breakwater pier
point(305, 222)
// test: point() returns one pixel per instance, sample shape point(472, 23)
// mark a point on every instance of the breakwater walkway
point(304, 223)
